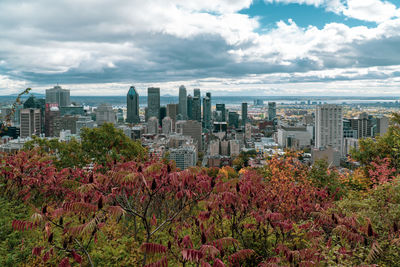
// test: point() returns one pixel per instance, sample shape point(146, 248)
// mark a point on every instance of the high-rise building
point(362, 124)
point(192, 129)
point(153, 102)
point(244, 114)
point(271, 110)
point(207, 111)
point(196, 93)
point(52, 123)
point(132, 104)
point(167, 125)
point(172, 111)
point(221, 108)
point(59, 96)
point(190, 107)
point(382, 125)
point(183, 102)
point(233, 119)
point(30, 119)
point(105, 113)
point(196, 108)
point(163, 114)
point(152, 125)
point(329, 126)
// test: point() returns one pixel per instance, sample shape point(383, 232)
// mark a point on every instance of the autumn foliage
point(284, 214)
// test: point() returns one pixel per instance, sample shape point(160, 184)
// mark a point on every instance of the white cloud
point(169, 42)
point(366, 10)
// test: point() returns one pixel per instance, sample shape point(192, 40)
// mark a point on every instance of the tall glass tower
point(132, 104)
point(153, 102)
point(183, 102)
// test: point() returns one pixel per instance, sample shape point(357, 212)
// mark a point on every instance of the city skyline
point(244, 47)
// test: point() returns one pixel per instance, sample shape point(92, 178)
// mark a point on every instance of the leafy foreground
point(133, 213)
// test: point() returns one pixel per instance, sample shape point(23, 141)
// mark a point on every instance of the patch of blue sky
point(302, 15)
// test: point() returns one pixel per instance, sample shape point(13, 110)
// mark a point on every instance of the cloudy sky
point(235, 47)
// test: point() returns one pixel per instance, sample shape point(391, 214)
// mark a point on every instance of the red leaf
point(64, 263)
point(153, 248)
point(77, 257)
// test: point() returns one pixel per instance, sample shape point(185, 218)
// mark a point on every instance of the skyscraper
point(192, 129)
point(183, 102)
point(233, 119)
point(190, 107)
point(132, 104)
point(196, 107)
point(30, 122)
point(163, 114)
point(52, 124)
point(58, 95)
point(153, 102)
point(244, 114)
point(172, 111)
point(221, 108)
point(196, 93)
point(329, 126)
point(207, 111)
point(271, 110)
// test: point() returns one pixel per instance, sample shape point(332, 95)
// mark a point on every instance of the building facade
point(329, 126)
point(132, 105)
point(153, 102)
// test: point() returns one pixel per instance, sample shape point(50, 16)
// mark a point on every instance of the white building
point(329, 127)
point(184, 157)
point(152, 125)
point(105, 113)
point(167, 125)
point(294, 137)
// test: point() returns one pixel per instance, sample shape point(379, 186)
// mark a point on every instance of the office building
point(362, 125)
point(132, 105)
point(152, 125)
point(382, 125)
point(153, 102)
point(68, 122)
point(196, 107)
point(233, 119)
point(207, 111)
point(30, 119)
point(167, 125)
point(244, 114)
point(294, 137)
point(184, 157)
point(183, 102)
point(52, 123)
point(105, 113)
point(190, 107)
point(329, 126)
point(163, 114)
point(221, 108)
point(59, 96)
point(84, 122)
point(192, 129)
point(271, 110)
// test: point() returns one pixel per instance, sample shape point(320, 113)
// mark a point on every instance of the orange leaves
point(153, 248)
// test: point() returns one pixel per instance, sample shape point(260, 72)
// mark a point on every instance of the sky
point(226, 47)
